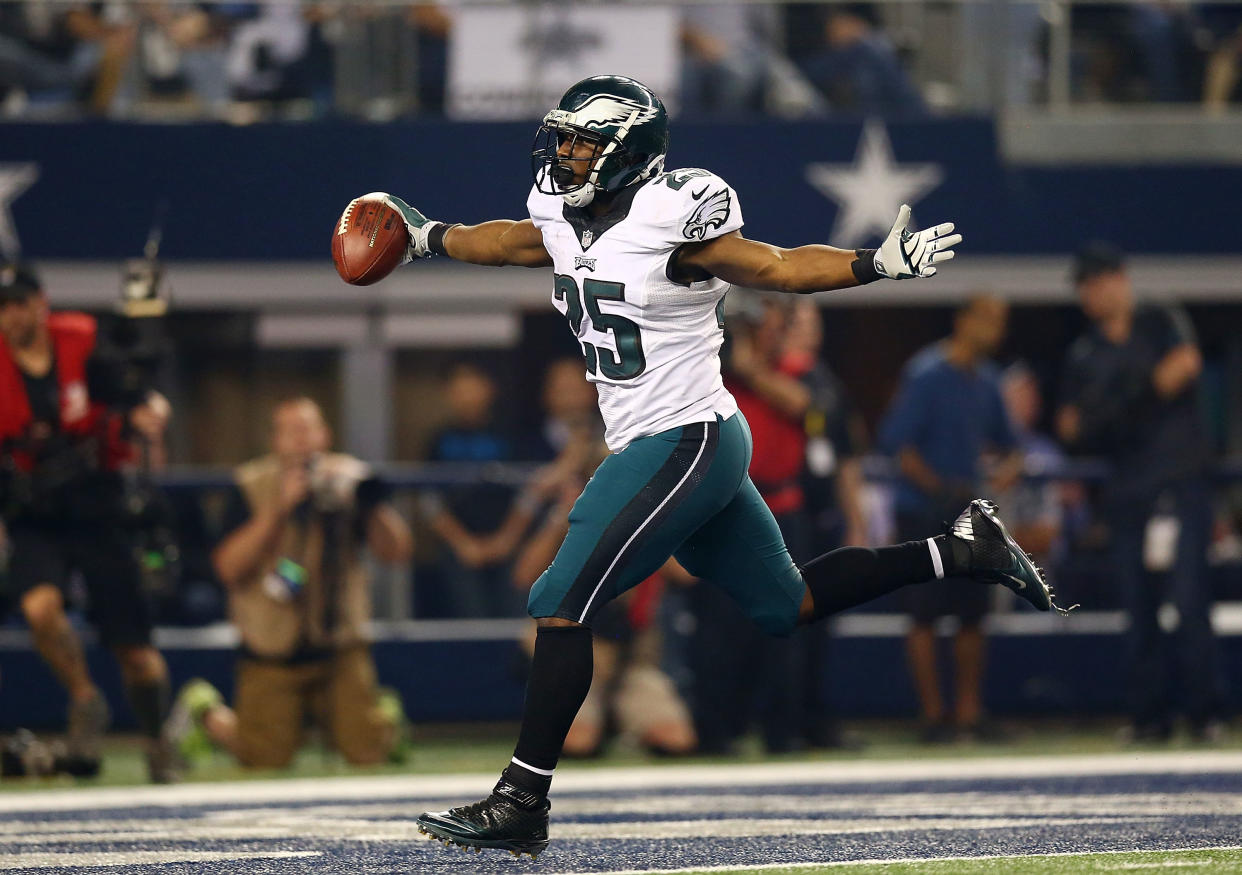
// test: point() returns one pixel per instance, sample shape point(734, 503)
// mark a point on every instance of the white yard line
point(571, 779)
point(355, 830)
point(650, 808)
point(61, 862)
point(778, 867)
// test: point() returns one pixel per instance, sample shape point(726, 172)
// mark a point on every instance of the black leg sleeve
point(560, 677)
point(853, 575)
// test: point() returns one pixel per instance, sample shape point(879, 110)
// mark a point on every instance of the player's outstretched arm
point(497, 243)
point(817, 268)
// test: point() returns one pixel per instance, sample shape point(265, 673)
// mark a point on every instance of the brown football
point(369, 240)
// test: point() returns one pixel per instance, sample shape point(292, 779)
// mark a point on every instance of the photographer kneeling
point(300, 597)
point(66, 432)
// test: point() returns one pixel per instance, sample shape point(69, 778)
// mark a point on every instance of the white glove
point(417, 226)
point(903, 254)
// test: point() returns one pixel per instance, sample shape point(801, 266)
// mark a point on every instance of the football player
point(642, 259)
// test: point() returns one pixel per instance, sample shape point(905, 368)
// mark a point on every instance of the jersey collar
point(590, 228)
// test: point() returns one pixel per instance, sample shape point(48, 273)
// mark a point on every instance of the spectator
point(181, 49)
point(433, 26)
point(725, 62)
point(480, 522)
point(72, 50)
point(1220, 86)
point(947, 415)
point(1033, 510)
point(570, 404)
point(832, 483)
point(778, 394)
point(1139, 51)
point(266, 51)
point(628, 691)
point(1130, 393)
point(300, 597)
point(69, 426)
point(857, 67)
point(833, 480)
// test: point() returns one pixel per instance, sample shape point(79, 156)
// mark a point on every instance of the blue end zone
point(686, 817)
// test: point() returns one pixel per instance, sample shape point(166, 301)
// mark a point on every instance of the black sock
point(560, 677)
point(853, 575)
point(150, 702)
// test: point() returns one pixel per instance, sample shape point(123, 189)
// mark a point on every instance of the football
point(369, 240)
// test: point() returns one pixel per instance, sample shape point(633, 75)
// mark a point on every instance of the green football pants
point(685, 493)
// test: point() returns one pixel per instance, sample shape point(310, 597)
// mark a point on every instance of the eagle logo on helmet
point(713, 212)
point(603, 110)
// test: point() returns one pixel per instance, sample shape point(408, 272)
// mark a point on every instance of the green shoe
point(392, 711)
point(995, 557)
point(184, 729)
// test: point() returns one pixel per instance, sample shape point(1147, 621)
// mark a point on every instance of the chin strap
point(581, 196)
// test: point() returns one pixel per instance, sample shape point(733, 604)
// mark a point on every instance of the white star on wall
point(14, 179)
point(872, 189)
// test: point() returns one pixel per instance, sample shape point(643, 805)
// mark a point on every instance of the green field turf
point(1131, 861)
point(484, 748)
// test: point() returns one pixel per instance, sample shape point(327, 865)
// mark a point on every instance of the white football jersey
point(652, 346)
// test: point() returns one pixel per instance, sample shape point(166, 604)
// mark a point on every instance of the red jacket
point(73, 341)
point(780, 447)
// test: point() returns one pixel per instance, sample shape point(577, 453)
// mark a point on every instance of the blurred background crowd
point(372, 459)
point(301, 60)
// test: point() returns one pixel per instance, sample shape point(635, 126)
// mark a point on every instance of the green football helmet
point(625, 123)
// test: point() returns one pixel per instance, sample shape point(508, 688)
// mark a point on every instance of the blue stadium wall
point(1055, 675)
point(273, 192)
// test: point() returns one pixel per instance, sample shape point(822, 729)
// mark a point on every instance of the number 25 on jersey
point(629, 361)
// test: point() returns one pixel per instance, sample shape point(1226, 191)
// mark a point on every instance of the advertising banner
point(514, 62)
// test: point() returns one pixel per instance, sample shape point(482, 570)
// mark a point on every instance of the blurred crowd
point(294, 60)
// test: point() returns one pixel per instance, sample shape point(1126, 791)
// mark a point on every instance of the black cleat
point(510, 820)
point(995, 556)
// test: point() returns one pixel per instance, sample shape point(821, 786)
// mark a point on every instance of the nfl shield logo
point(587, 237)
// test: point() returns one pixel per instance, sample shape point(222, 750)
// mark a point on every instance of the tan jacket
point(277, 621)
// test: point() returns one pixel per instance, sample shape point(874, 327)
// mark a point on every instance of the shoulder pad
point(543, 208)
point(696, 205)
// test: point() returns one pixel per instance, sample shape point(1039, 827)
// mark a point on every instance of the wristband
point(435, 237)
point(864, 266)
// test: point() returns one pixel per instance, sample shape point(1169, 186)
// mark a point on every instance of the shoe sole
point(1048, 602)
point(517, 849)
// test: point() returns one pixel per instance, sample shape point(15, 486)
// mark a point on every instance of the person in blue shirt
point(948, 415)
point(857, 67)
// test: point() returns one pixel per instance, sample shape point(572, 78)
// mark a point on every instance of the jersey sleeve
point(695, 205)
point(543, 208)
